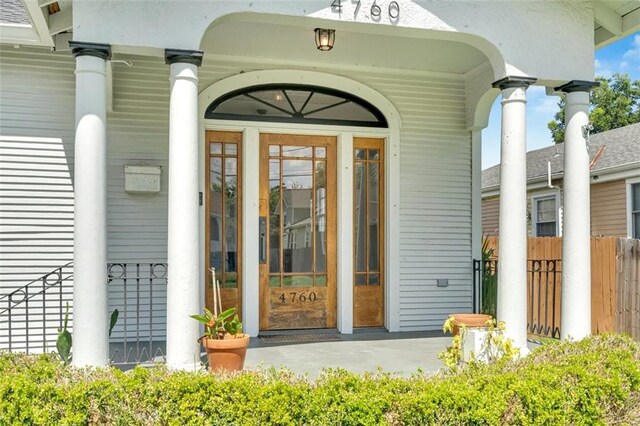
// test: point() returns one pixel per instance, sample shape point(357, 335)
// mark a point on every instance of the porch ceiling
point(296, 43)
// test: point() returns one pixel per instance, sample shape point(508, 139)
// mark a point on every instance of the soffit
point(297, 43)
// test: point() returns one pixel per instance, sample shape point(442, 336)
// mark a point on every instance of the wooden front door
point(368, 237)
point(297, 232)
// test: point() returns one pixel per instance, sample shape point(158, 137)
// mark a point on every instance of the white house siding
point(435, 222)
point(36, 189)
point(36, 160)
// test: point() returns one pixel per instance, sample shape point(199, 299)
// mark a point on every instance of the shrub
point(594, 381)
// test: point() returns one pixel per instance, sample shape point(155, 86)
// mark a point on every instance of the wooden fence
point(615, 283)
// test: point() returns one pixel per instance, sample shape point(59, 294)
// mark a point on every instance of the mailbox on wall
point(142, 179)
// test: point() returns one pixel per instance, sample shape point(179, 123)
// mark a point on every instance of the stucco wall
point(549, 40)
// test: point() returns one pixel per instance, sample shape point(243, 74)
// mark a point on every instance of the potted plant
point(468, 321)
point(223, 340)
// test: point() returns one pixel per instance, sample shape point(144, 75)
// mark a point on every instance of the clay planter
point(226, 354)
point(469, 321)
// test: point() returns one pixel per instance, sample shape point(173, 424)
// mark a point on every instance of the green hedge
point(595, 381)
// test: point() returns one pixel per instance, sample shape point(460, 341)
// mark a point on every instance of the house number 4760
point(375, 11)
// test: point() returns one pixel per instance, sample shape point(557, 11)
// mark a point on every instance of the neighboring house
point(375, 109)
point(615, 187)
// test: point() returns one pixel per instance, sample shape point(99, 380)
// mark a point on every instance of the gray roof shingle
point(621, 147)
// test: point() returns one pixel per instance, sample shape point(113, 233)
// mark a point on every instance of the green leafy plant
point(595, 381)
point(489, 283)
point(64, 341)
point(219, 326)
point(496, 345)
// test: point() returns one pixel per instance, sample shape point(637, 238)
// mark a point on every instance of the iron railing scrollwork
point(138, 291)
point(31, 315)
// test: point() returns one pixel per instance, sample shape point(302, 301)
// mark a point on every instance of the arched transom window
point(293, 103)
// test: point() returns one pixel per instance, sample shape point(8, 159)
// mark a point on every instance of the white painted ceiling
point(296, 43)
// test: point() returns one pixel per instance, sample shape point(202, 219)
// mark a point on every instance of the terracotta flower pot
point(469, 321)
point(226, 354)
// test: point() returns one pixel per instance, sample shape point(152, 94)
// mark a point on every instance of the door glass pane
point(360, 217)
point(321, 281)
point(215, 148)
point(230, 149)
point(361, 279)
point(374, 279)
point(321, 152)
point(274, 281)
point(321, 217)
point(297, 151)
point(274, 215)
point(231, 214)
point(231, 281)
point(215, 217)
point(374, 154)
point(296, 210)
point(274, 150)
point(373, 219)
point(297, 281)
point(361, 154)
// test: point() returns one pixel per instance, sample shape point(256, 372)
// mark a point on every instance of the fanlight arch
point(296, 103)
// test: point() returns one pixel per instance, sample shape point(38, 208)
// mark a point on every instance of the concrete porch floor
point(309, 352)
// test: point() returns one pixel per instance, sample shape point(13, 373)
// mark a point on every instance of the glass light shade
point(325, 38)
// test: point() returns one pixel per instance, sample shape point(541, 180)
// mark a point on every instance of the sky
point(622, 56)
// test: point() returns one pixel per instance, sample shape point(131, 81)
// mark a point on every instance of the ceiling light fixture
point(325, 39)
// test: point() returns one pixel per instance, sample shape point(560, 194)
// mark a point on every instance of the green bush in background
point(594, 381)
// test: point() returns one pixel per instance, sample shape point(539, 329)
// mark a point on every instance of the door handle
point(263, 239)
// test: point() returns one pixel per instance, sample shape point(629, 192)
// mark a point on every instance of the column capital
point(172, 56)
point(511, 81)
point(99, 50)
point(577, 86)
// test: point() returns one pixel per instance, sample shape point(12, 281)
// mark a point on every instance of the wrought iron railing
point(31, 315)
point(543, 296)
point(139, 292)
point(544, 278)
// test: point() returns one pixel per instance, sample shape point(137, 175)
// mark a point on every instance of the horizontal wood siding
point(609, 209)
point(36, 164)
point(490, 213)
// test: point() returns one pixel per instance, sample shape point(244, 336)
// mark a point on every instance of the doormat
point(300, 338)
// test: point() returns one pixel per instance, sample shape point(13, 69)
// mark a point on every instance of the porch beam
point(575, 321)
point(512, 267)
point(183, 248)
point(90, 309)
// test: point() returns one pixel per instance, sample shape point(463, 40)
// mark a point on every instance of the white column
point(512, 263)
point(183, 257)
point(476, 204)
point(575, 321)
point(345, 233)
point(90, 309)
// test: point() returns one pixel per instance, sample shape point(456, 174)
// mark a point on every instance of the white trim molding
point(629, 184)
point(539, 196)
